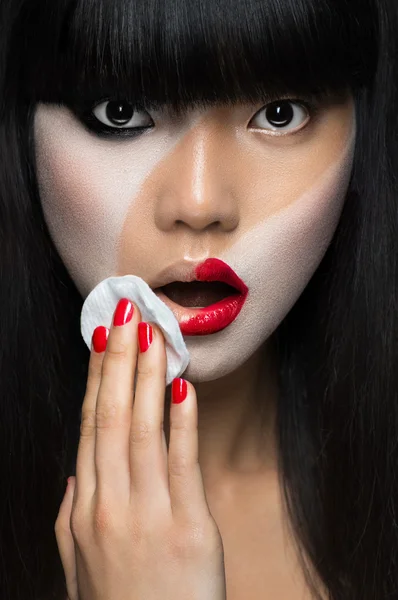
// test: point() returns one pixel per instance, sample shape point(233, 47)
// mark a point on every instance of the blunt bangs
point(186, 54)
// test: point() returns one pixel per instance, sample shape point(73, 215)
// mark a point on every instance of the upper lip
point(185, 271)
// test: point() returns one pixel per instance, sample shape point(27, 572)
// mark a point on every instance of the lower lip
point(207, 320)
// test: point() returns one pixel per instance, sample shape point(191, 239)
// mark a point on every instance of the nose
point(196, 184)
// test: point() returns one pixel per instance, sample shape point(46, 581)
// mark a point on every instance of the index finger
point(85, 463)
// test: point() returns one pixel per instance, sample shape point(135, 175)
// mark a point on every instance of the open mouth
point(207, 300)
point(198, 294)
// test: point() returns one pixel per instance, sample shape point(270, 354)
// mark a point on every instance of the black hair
point(337, 348)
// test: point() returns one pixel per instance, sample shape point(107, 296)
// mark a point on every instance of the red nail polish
point(145, 336)
point(179, 390)
point(123, 313)
point(100, 338)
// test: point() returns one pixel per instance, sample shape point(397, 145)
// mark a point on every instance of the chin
point(209, 366)
point(196, 374)
point(220, 357)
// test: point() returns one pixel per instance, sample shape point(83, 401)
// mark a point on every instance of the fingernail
point(100, 338)
point(123, 313)
point(179, 390)
point(145, 336)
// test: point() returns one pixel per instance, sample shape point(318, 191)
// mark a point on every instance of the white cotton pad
point(100, 304)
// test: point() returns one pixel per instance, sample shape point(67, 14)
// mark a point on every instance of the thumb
point(65, 541)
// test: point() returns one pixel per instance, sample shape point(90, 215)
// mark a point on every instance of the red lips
point(214, 269)
point(213, 318)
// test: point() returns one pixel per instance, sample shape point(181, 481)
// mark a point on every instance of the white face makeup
point(208, 185)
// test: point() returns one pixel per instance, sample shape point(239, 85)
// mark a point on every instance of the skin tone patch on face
point(207, 185)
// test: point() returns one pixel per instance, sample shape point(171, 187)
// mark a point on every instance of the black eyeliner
point(85, 114)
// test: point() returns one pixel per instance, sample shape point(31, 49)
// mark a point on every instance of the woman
point(146, 138)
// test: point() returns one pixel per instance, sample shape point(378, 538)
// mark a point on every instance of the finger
point(65, 541)
point(148, 459)
point(187, 493)
point(85, 462)
point(115, 402)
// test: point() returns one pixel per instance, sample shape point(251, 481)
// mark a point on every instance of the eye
point(120, 114)
point(284, 116)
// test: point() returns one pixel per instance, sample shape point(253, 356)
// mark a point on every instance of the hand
point(134, 523)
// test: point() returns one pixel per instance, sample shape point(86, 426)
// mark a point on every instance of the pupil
point(119, 113)
point(280, 114)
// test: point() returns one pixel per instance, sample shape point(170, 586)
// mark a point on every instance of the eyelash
point(86, 116)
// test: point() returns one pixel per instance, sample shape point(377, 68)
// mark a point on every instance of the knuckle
point(146, 370)
point(179, 466)
point(116, 351)
point(103, 521)
point(107, 415)
point(87, 424)
point(181, 426)
point(190, 542)
point(142, 433)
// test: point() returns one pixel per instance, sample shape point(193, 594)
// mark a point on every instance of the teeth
point(197, 294)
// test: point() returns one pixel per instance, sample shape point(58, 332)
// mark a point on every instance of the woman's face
point(218, 182)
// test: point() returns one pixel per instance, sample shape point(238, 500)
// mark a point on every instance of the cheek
point(288, 248)
point(276, 259)
point(67, 191)
point(87, 187)
point(77, 204)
